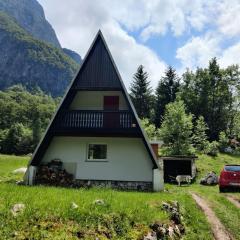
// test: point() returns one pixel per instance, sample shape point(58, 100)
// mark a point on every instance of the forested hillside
point(24, 117)
point(30, 15)
point(31, 62)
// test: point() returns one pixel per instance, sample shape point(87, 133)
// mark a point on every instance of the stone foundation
point(120, 185)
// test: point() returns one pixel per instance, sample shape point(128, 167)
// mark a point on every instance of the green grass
point(228, 213)
point(9, 163)
point(207, 163)
point(125, 215)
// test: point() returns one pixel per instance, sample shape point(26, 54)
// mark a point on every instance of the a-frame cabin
point(96, 132)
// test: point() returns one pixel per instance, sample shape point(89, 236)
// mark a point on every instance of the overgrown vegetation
point(24, 117)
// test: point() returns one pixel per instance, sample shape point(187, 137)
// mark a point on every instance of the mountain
point(76, 57)
point(30, 16)
point(31, 62)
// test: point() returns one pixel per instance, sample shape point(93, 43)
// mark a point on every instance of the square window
point(97, 151)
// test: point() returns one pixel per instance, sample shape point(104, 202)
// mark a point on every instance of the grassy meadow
point(124, 215)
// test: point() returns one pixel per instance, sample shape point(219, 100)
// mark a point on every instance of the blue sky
point(155, 33)
point(166, 47)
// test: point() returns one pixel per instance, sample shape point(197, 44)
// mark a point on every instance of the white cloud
point(77, 21)
point(230, 56)
point(178, 16)
point(225, 19)
point(198, 51)
point(229, 18)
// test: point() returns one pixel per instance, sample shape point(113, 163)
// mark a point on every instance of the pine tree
point(140, 93)
point(166, 91)
point(218, 100)
point(199, 138)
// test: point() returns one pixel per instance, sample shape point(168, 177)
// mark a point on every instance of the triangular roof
point(108, 78)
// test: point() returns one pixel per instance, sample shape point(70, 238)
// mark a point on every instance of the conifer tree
point(166, 91)
point(140, 93)
point(199, 138)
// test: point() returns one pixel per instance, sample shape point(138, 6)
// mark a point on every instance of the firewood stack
point(54, 174)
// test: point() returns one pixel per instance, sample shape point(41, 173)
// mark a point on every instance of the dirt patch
point(234, 201)
point(219, 231)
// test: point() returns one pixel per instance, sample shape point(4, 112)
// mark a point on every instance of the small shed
point(178, 165)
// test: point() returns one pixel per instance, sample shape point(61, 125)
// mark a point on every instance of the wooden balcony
point(94, 121)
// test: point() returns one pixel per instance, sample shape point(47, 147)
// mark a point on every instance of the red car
point(229, 178)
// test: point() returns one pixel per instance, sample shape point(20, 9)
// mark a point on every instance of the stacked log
point(53, 174)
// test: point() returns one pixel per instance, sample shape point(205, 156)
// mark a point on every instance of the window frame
point(97, 159)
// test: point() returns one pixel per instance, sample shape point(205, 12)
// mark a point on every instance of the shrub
point(149, 128)
point(17, 140)
point(212, 149)
point(3, 134)
point(223, 141)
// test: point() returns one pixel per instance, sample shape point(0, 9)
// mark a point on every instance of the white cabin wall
point(128, 159)
point(93, 100)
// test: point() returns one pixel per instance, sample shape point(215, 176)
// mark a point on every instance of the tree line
point(198, 111)
point(24, 116)
point(211, 93)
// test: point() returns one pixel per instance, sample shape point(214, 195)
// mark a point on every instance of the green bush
point(23, 118)
point(149, 128)
point(17, 140)
point(223, 141)
point(212, 148)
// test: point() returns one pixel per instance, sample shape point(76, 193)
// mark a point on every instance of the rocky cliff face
point(31, 62)
point(30, 16)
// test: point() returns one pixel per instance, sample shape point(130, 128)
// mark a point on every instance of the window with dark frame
point(97, 152)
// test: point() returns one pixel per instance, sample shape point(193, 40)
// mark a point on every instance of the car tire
point(222, 189)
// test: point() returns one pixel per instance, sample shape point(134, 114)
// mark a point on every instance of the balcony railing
point(96, 119)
